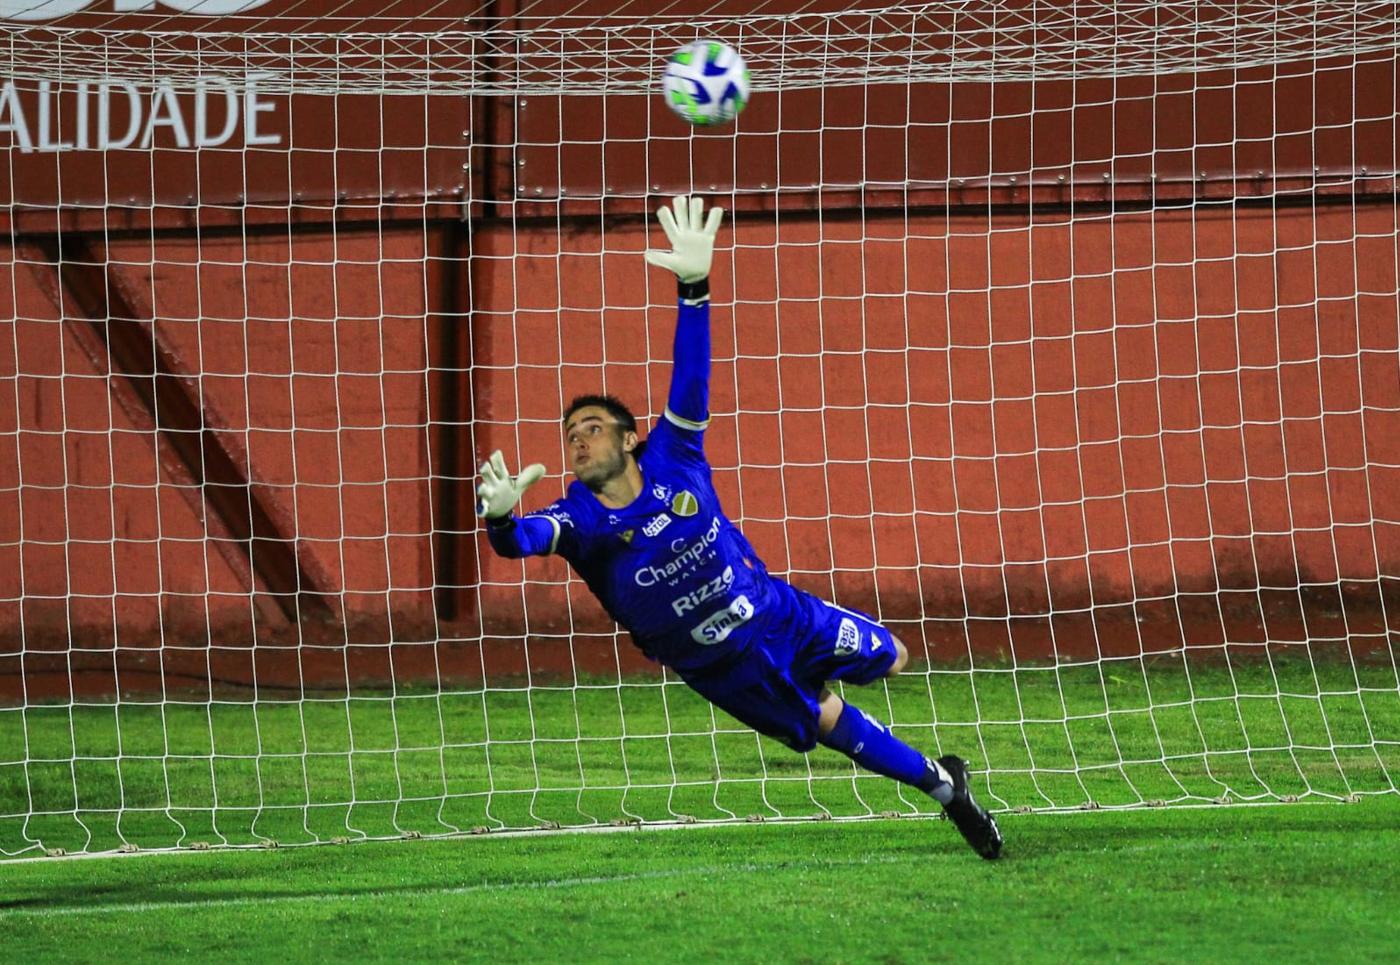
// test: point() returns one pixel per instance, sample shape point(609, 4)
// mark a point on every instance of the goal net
point(1061, 338)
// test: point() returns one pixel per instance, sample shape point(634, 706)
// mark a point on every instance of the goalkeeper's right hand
point(497, 493)
point(692, 238)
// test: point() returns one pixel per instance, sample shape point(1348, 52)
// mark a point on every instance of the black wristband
point(500, 522)
point(691, 290)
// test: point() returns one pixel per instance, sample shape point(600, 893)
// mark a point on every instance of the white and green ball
point(706, 83)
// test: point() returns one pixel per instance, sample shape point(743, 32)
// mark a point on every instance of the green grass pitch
point(1305, 879)
point(1298, 882)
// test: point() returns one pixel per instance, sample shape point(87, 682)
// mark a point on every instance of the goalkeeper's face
point(600, 447)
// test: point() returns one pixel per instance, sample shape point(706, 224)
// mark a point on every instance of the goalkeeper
point(643, 527)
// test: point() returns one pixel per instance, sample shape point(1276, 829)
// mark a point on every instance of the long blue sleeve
point(689, 399)
point(528, 536)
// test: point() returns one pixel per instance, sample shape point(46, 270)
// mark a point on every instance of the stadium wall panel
point(1024, 421)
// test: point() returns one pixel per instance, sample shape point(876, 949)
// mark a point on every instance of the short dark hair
point(611, 404)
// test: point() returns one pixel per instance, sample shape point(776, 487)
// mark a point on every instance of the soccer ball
point(706, 83)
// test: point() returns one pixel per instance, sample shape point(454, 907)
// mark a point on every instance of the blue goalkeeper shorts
point(775, 684)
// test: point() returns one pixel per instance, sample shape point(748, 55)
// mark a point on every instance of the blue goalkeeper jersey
point(670, 567)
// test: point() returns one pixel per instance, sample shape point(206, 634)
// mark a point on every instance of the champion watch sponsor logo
point(688, 555)
point(656, 524)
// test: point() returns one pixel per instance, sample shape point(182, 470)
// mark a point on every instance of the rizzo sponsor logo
point(686, 555)
point(715, 588)
point(657, 524)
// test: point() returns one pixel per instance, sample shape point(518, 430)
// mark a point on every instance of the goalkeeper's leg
point(865, 740)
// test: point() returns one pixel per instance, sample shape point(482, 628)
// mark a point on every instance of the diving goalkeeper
point(643, 527)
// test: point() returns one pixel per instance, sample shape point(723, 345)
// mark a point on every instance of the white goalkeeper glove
point(692, 238)
point(497, 493)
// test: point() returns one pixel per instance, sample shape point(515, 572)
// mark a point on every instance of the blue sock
point(870, 744)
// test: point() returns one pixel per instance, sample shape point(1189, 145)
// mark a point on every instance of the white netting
point(1064, 340)
point(895, 44)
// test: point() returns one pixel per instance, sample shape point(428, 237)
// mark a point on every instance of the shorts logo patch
point(847, 638)
point(685, 503)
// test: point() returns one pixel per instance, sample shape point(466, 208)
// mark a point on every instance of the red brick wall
point(992, 416)
point(1044, 420)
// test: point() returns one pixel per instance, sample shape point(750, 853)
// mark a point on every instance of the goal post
point(1061, 338)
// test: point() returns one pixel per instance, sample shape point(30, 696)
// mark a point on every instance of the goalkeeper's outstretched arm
point(692, 237)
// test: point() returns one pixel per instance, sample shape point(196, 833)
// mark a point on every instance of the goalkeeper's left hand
point(692, 238)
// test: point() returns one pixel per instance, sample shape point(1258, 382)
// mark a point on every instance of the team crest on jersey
point(685, 503)
point(847, 638)
point(656, 524)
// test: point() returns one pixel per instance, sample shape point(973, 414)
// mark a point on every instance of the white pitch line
point(137, 907)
